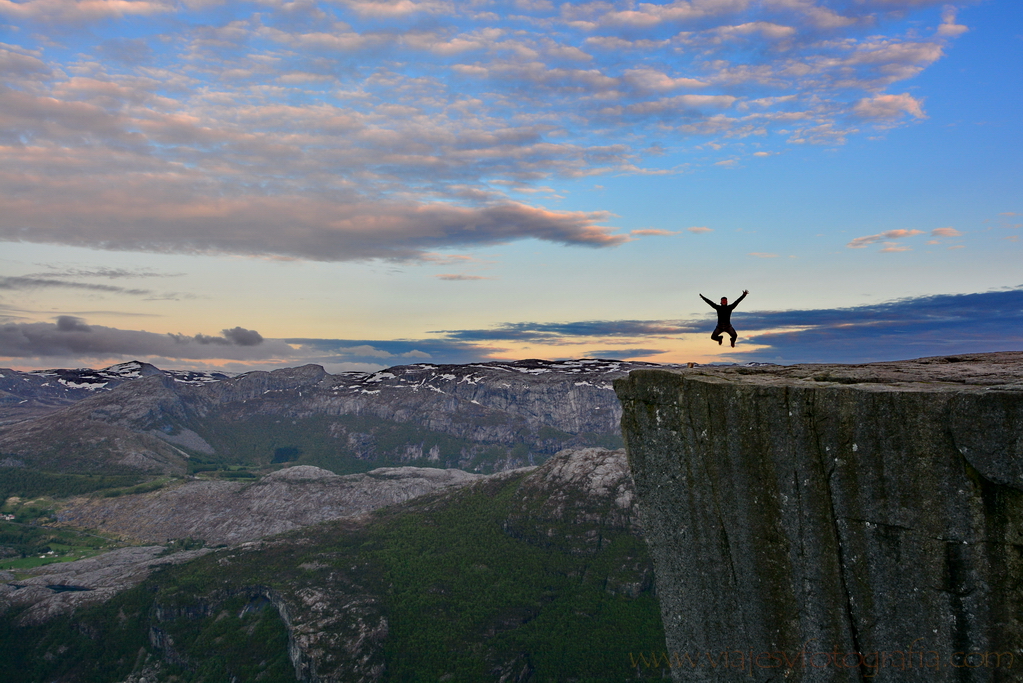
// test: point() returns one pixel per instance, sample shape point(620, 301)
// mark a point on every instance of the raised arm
point(744, 293)
point(709, 302)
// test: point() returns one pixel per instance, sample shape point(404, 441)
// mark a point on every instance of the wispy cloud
point(867, 240)
point(592, 328)
point(652, 232)
point(27, 283)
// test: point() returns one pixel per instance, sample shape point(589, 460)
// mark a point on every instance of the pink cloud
point(75, 11)
point(948, 26)
point(861, 242)
point(946, 232)
point(889, 107)
point(700, 229)
point(650, 232)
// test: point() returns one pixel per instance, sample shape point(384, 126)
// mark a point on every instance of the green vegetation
point(147, 487)
point(464, 590)
point(240, 640)
point(343, 444)
point(348, 444)
point(468, 597)
point(29, 483)
point(243, 639)
point(24, 546)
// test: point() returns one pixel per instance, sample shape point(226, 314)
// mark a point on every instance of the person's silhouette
point(724, 317)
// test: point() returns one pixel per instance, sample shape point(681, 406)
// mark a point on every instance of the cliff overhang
point(834, 523)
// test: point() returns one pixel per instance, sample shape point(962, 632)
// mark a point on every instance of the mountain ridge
point(479, 417)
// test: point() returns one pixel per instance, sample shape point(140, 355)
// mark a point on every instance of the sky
point(364, 183)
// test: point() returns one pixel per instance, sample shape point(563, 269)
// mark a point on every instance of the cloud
point(26, 283)
point(127, 51)
point(69, 323)
point(907, 328)
point(889, 107)
point(72, 337)
point(867, 240)
point(652, 232)
point(371, 351)
point(946, 232)
point(624, 354)
point(101, 271)
point(766, 29)
point(552, 332)
point(452, 276)
point(81, 11)
point(699, 229)
point(652, 79)
point(364, 129)
point(948, 26)
point(141, 215)
point(243, 337)
point(761, 254)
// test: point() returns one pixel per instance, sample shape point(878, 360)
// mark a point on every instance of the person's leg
point(732, 333)
point(716, 335)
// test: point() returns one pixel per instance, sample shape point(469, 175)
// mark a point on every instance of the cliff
point(834, 523)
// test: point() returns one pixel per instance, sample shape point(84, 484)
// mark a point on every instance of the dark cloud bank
point(73, 337)
point(908, 328)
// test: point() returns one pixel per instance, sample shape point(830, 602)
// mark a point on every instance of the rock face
point(24, 395)
point(835, 523)
point(223, 512)
point(62, 588)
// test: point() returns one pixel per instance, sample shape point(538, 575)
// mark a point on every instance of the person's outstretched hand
point(745, 292)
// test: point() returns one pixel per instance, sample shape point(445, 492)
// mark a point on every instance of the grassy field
point(27, 545)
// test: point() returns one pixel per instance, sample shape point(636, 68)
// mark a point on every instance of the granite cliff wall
point(834, 523)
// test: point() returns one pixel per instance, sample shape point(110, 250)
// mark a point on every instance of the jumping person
point(724, 317)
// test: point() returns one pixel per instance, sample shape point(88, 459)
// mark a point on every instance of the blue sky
point(363, 183)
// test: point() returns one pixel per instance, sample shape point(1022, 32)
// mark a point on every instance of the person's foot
point(719, 341)
point(733, 343)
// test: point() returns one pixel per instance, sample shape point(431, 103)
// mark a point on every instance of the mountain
point(481, 417)
point(525, 575)
point(24, 395)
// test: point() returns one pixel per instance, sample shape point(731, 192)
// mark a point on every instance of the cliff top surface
point(981, 371)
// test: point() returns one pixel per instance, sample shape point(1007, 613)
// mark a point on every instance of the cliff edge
point(834, 522)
